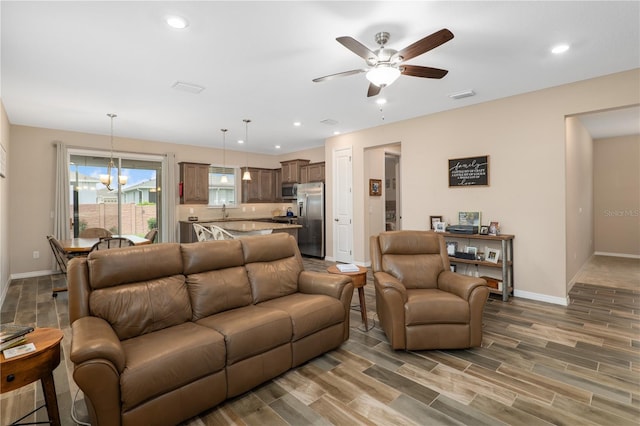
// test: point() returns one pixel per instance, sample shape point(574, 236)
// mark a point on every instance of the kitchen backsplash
point(244, 211)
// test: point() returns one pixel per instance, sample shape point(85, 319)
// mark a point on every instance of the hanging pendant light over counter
point(224, 179)
point(246, 175)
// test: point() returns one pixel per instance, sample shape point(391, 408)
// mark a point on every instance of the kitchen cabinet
point(277, 185)
point(194, 181)
point(312, 172)
point(291, 170)
point(261, 187)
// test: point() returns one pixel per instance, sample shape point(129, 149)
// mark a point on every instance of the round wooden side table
point(359, 280)
point(36, 365)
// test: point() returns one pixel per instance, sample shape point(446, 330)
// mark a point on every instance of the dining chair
point(95, 233)
point(151, 235)
point(221, 234)
point(62, 258)
point(211, 232)
point(112, 242)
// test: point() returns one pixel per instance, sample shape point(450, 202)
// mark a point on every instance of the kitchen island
point(239, 228)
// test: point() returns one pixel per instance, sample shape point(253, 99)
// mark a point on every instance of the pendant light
point(224, 179)
point(246, 175)
point(106, 178)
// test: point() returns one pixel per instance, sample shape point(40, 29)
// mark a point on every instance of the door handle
point(336, 220)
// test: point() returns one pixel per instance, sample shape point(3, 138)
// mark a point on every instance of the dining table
point(80, 246)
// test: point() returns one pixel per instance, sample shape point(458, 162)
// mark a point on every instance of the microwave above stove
point(289, 191)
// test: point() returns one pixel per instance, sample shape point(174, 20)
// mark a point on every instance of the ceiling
point(65, 65)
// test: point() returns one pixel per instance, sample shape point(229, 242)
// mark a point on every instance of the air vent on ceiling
point(187, 87)
point(463, 94)
point(329, 122)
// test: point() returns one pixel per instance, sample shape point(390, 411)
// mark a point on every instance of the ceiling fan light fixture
point(383, 75)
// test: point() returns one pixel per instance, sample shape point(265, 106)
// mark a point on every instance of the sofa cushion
point(211, 255)
point(433, 306)
point(250, 330)
point(109, 268)
point(216, 291)
point(157, 362)
point(139, 308)
point(309, 312)
point(270, 280)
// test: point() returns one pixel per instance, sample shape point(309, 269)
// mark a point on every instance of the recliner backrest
point(415, 258)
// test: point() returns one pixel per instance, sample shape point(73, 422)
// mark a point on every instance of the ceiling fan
point(386, 65)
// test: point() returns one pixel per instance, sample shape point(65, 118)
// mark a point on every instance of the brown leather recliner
point(420, 303)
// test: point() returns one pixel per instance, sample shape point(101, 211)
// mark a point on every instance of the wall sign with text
point(470, 171)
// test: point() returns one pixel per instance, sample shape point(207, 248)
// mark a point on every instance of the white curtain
point(169, 191)
point(61, 207)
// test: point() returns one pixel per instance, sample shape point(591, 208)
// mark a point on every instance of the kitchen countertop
point(251, 226)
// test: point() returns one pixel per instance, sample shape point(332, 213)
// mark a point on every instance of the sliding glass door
point(132, 205)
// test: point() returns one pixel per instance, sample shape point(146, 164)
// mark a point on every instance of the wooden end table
point(36, 365)
point(359, 281)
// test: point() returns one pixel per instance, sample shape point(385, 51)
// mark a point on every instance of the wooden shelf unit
point(505, 265)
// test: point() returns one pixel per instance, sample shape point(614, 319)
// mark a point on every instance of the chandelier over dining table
point(106, 179)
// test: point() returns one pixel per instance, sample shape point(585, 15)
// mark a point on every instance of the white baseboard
point(630, 256)
point(564, 301)
point(32, 274)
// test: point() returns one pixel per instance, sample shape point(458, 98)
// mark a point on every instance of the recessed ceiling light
point(336, 132)
point(177, 22)
point(297, 123)
point(277, 146)
point(381, 101)
point(560, 48)
point(240, 141)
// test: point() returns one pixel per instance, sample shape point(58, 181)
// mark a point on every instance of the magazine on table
point(13, 331)
point(347, 267)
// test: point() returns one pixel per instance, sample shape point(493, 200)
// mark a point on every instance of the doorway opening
point(392, 214)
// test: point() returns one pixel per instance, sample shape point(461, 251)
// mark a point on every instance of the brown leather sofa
point(420, 303)
point(163, 332)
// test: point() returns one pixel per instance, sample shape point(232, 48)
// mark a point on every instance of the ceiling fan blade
point(356, 47)
point(339, 74)
point(426, 72)
point(426, 44)
point(373, 90)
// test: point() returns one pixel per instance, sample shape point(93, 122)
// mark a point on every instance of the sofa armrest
point(320, 283)
point(458, 284)
point(93, 338)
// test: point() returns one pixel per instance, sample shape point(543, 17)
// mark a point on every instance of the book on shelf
point(347, 267)
point(13, 331)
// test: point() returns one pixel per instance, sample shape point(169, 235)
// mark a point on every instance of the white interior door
point(343, 206)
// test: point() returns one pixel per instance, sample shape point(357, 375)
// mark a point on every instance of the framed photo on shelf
point(452, 248)
point(440, 227)
point(494, 228)
point(433, 220)
point(472, 250)
point(453, 268)
point(469, 218)
point(484, 230)
point(375, 187)
point(492, 255)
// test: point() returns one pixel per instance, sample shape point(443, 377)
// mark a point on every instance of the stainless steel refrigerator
point(311, 217)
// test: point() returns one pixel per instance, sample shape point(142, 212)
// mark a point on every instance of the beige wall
point(525, 138)
point(5, 253)
point(579, 193)
point(617, 196)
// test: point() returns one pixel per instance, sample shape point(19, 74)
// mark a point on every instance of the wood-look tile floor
point(538, 364)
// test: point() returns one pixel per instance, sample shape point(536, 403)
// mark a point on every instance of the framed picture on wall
point(375, 187)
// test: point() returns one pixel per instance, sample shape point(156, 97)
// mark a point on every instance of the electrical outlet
point(36, 254)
